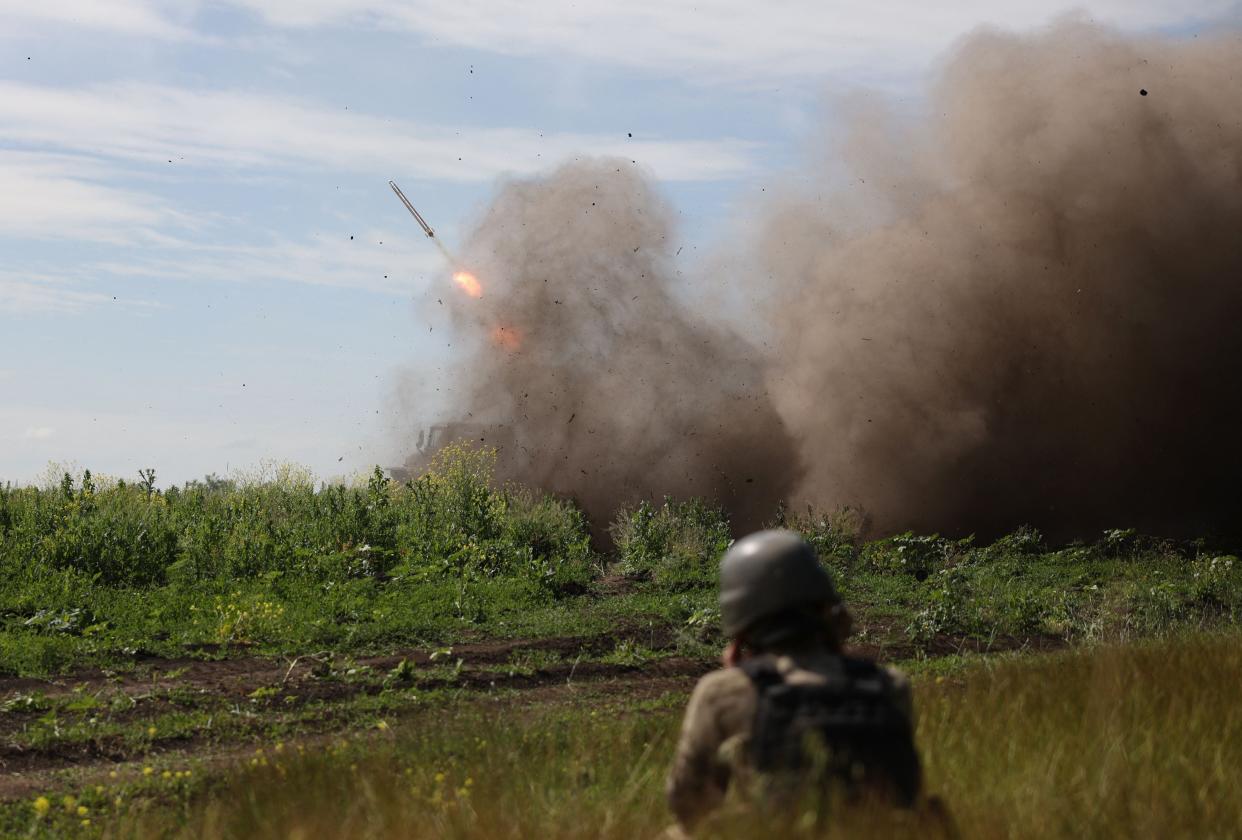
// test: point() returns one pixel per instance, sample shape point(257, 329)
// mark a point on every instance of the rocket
point(431, 234)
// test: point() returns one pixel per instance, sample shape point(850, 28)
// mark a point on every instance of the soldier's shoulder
point(723, 681)
point(727, 688)
point(723, 700)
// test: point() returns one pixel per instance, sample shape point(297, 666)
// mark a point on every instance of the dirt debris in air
point(958, 321)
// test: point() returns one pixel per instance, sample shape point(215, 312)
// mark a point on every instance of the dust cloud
point(1021, 305)
point(588, 374)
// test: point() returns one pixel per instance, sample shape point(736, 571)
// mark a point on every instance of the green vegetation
point(100, 574)
point(677, 545)
point(448, 657)
point(108, 574)
point(1111, 741)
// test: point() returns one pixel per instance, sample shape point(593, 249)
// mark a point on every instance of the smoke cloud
point(589, 375)
point(1020, 307)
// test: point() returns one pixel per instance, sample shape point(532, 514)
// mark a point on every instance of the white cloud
point(740, 40)
point(384, 262)
point(722, 40)
point(39, 433)
point(157, 123)
point(26, 296)
point(95, 141)
point(402, 267)
point(398, 267)
point(132, 17)
point(34, 292)
point(59, 197)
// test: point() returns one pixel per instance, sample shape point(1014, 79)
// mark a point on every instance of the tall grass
point(1118, 741)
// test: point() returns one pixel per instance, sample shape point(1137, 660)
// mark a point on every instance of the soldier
point(786, 686)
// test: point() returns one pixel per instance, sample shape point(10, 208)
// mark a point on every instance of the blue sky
point(203, 267)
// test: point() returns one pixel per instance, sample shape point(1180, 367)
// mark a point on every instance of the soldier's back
point(715, 753)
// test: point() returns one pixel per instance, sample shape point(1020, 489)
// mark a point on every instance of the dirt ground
point(576, 677)
point(481, 678)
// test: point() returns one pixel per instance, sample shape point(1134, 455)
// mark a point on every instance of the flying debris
point(431, 234)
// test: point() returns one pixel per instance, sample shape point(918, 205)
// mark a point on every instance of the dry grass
point(1141, 740)
point(1119, 742)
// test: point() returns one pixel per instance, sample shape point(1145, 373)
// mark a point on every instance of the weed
point(402, 674)
point(677, 545)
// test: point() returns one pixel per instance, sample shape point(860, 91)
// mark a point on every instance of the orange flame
point(508, 338)
point(468, 283)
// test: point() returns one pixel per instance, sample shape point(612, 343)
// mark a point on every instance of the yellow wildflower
point(42, 805)
point(86, 823)
point(151, 730)
point(83, 810)
point(148, 770)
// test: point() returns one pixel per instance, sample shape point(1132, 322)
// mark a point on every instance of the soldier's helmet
point(770, 572)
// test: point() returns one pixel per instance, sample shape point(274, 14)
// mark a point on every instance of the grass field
point(445, 657)
point(1112, 741)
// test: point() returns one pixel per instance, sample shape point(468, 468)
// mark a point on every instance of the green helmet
point(766, 573)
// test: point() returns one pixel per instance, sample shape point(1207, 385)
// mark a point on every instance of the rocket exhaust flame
point(468, 283)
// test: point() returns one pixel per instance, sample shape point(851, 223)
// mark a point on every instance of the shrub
point(451, 516)
point(677, 545)
point(945, 606)
point(124, 536)
point(1026, 541)
point(836, 536)
point(450, 523)
point(453, 522)
point(918, 556)
point(556, 540)
point(1218, 580)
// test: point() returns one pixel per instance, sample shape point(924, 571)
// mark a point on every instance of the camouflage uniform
point(712, 752)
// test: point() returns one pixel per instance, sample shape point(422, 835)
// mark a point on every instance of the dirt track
point(486, 674)
point(241, 675)
point(482, 676)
